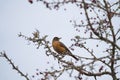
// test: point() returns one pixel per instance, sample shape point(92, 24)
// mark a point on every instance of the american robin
point(60, 48)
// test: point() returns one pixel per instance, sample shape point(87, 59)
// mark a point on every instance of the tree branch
point(96, 33)
point(3, 54)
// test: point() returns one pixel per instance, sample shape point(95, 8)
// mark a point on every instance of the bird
point(61, 49)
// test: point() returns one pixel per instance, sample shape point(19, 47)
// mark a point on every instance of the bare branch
point(3, 54)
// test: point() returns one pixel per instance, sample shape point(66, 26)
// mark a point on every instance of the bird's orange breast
point(58, 48)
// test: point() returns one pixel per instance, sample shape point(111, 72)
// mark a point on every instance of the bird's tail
point(70, 54)
point(74, 57)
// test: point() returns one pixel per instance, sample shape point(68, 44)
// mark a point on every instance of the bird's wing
point(68, 51)
point(62, 45)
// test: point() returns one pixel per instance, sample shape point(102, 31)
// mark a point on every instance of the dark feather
point(68, 51)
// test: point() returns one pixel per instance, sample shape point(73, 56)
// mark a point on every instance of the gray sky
point(20, 16)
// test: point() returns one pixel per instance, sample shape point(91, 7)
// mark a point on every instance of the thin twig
point(3, 54)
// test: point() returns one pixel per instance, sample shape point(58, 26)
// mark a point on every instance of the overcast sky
point(20, 16)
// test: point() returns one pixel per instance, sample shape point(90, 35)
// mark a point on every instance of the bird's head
point(56, 38)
